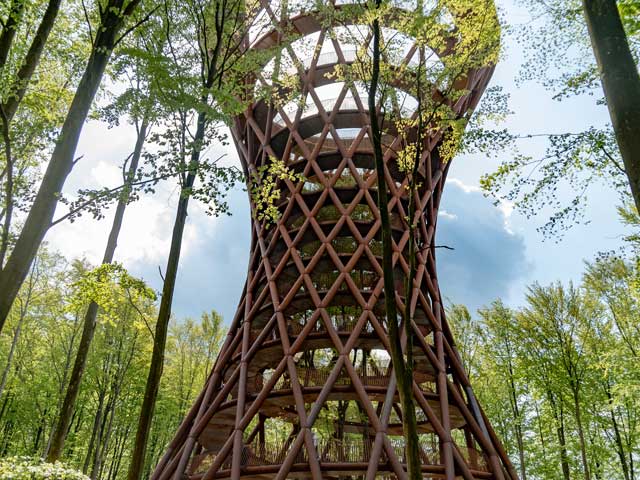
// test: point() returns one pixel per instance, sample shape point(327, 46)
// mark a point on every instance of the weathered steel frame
point(229, 377)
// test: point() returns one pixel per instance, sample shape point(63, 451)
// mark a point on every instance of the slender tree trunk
point(8, 188)
point(62, 161)
point(14, 97)
point(14, 342)
point(31, 59)
point(583, 446)
point(403, 374)
point(111, 409)
point(78, 416)
point(63, 382)
point(123, 444)
point(518, 420)
point(4, 405)
point(214, 73)
point(116, 385)
point(89, 326)
point(8, 426)
point(9, 29)
point(41, 428)
point(558, 415)
point(620, 82)
point(95, 465)
point(94, 434)
point(543, 442)
point(160, 339)
point(564, 457)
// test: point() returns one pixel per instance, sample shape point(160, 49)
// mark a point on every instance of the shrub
point(25, 468)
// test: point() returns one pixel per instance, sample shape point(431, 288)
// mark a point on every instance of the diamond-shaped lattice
point(303, 387)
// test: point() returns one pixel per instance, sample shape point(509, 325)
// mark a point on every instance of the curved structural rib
point(302, 387)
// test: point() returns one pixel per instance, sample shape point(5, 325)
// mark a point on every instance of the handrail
point(334, 450)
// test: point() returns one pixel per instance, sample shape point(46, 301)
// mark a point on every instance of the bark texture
point(32, 59)
point(620, 82)
point(62, 159)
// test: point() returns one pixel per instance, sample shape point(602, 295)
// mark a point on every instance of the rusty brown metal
point(309, 336)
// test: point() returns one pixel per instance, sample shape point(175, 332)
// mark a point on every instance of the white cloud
point(145, 237)
point(450, 216)
point(465, 187)
point(106, 174)
point(505, 206)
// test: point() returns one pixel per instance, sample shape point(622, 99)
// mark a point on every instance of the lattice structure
point(302, 387)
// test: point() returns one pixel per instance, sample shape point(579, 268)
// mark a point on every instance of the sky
point(497, 252)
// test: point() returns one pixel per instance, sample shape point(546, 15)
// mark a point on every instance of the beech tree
point(574, 48)
point(137, 104)
point(100, 434)
point(620, 82)
point(201, 99)
point(113, 16)
point(38, 111)
point(477, 47)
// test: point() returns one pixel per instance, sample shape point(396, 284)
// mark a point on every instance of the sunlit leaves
point(559, 182)
point(561, 364)
point(107, 285)
point(265, 189)
point(572, 162)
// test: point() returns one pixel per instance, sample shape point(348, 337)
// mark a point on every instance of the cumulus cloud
point(488, 260)
point(212, 273)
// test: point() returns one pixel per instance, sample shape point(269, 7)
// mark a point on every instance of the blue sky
point(497, 251)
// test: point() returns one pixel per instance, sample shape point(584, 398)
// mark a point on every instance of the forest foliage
point(563, 365)
point(37, 353)
point(558, 376)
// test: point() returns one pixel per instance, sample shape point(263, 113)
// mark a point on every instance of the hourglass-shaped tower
point(303, 386)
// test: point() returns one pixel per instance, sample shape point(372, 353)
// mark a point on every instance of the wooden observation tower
point(303, 386)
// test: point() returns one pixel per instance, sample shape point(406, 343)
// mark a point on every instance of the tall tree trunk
point(558, 415)
point(114, 395)
point(4, 405)
point(95, 464)
point(160, 339)
point(14, 96)
point(403, 374)
point(61, 163)
point(518, 418)
point(214, 75)
point(543, 443)
point(9, 29)
point(63, 382)
point(620, 82)
point(89, 326)
point(99, 466)
point(14, 342)
point(564, 457)
point(8, 188)
point(31, 59)
point(41, 428)
point(120, 454)
point(78, 416)
point(24, 306)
